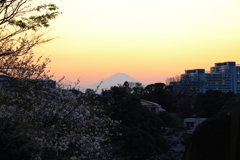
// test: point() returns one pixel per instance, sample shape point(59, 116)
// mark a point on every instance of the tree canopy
point(39, 119)
point(141, 130)
point(19, 22)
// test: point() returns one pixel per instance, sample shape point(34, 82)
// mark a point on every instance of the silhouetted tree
point(159, 94)
point(19, 22)
point(210, 103)
point(141, 130)
point(216, 138)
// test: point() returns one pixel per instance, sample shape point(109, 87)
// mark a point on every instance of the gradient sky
point(149, 40)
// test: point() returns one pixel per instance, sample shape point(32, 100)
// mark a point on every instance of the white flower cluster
point(59, 123)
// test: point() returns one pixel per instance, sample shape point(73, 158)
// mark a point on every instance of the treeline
point(202, 105)
point(141, 129)
point(52, 123)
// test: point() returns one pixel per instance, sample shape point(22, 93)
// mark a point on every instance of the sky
point(150, 40)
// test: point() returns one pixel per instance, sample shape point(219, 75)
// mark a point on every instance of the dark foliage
point(171, 120)
point(141, 130)
point(159, 94)
point(14, 147)
point(217, 138)
point(210, 103)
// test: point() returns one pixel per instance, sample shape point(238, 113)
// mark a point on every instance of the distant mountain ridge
point(118, 78)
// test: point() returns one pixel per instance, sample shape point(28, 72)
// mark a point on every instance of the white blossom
point(56, 121)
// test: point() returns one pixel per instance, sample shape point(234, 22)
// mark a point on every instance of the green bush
point(171, 120)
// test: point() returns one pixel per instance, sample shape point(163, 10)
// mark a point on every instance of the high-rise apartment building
point(223, 77)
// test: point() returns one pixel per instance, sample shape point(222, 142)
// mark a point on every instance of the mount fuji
point(116, 79)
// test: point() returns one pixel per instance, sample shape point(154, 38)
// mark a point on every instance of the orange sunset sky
point(149, 40)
